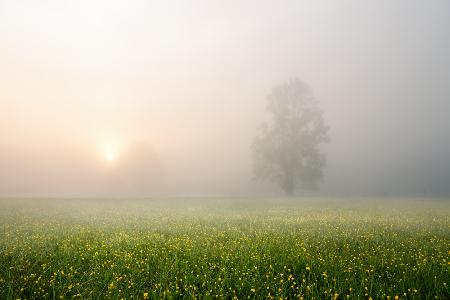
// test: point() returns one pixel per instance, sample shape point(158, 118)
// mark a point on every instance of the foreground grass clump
point(310, 248)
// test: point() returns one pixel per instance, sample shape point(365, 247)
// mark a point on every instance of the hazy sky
point(164, 97)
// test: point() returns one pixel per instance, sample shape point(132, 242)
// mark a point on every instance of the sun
point(110, 154)
point(110, 151)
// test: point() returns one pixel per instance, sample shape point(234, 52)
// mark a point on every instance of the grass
point(267, 248)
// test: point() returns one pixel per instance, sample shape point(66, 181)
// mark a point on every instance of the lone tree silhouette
point(286, 151)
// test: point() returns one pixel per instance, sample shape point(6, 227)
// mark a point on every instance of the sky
point(150, 98)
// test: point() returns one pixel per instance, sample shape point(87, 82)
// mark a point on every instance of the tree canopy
point(287, 149)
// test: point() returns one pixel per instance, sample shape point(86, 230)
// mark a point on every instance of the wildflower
point(145, 295)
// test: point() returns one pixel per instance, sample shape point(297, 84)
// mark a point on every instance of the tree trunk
point(288, 184)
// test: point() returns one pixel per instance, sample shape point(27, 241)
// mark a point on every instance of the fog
point(164, 98)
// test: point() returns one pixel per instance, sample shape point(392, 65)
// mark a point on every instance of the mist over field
point(211, 149)
point(165, 98)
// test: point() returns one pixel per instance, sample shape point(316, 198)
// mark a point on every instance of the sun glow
point(110, 155)
point(110, 151)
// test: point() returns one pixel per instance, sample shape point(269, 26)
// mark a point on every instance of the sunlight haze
point(150, 98)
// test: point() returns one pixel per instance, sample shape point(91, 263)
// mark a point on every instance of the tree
point(286, 151)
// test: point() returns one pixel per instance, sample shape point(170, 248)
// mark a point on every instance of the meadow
point(312, 248)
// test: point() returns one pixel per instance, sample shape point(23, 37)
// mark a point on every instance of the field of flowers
point(219, 248)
